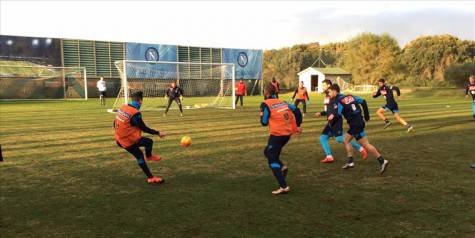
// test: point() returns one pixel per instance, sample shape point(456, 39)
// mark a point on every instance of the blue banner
point(152, 53)
point(248, 63)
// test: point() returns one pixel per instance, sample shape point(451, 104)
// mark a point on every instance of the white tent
point(312, 77)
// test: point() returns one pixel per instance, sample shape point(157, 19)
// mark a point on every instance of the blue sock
point(325, 144)
point(355, 145)
point(473, 109)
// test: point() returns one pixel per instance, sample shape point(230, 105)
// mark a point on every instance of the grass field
point(63, 175)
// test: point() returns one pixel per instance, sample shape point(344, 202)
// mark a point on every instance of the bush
point(458, 74)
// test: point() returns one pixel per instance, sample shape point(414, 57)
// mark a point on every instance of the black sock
point(386, 120)
point(350, 159)
point(279, 176)
point(144, 167)
point(380, 160)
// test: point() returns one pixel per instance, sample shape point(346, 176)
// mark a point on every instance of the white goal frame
point(124, 80)
point(83, 69)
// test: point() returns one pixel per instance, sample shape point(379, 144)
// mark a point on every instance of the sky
point(234, 24)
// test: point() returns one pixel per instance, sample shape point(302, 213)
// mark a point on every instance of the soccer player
point(174, 93)
point(128, 126)
point(283, 120)
point(275, 87)
point(302, 97)
point(333, 128)
point(391, 104)
point(471, 89)
point(241, 90)
point(101, 86)
point(349, 107)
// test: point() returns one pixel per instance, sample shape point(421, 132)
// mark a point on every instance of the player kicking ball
point(283, 120)
point(128, 126)
point(391, 104)
point(333, 128)
point(470, 89)
point(349, 107)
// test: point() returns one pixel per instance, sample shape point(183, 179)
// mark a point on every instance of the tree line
point(438, 60)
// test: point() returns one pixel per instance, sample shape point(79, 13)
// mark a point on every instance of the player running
point(302, 97)
point(174, 93)
point(391, 104)
point(128, 126)
point(283, 120)
point(349, 107)
point(333, 128)
point(241, 91)
point(471, 89)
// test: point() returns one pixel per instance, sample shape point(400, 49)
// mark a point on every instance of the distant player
point(241, 91)
point(349, 107)
point(174, 93)
point(283, 120)
point(302, 96)
point(128, 126)
point(101, 86)
point(275, 87)
point(391, 104)
point(333, 128)
point(470, 89)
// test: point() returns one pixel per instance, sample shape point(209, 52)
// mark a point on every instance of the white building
point(312, 77)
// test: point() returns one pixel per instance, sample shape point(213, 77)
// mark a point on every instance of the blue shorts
point(391, 107)
point(357, 131)
point(332, 133)
point(334, 129)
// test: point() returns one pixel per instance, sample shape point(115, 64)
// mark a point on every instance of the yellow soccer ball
point(185, 141)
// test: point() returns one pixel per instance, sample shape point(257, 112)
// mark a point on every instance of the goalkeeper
point(174, 93)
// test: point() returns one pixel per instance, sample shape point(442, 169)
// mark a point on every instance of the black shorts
point(357, 130)
point(333, 130)
point(391, 107)
point(102, 93)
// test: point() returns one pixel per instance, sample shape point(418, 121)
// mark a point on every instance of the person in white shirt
point(101, 86)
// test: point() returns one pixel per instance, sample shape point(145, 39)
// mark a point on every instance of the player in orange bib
point(302, 97)
point(283, 120)
point(128, 126)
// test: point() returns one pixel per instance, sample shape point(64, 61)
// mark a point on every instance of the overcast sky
point(247, 24)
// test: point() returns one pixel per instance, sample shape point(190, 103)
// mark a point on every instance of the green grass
point(63, 175)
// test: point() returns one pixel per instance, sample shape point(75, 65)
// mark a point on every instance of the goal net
point(204, 84)
point(365, 88)
point(42, 82)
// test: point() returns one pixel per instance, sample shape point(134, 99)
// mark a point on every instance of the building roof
point(338, 71)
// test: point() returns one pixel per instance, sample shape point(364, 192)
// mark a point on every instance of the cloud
point(247, 24)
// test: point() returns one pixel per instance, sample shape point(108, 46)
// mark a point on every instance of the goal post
point(42, 82)
point(204, 85)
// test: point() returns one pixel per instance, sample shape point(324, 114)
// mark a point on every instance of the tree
point(458, 74)
point(426, 58)
point(370, 57)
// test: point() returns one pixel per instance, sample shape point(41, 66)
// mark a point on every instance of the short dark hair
point(327, 82)
point(334, 87)
point(137, 96)
point(381, 81)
